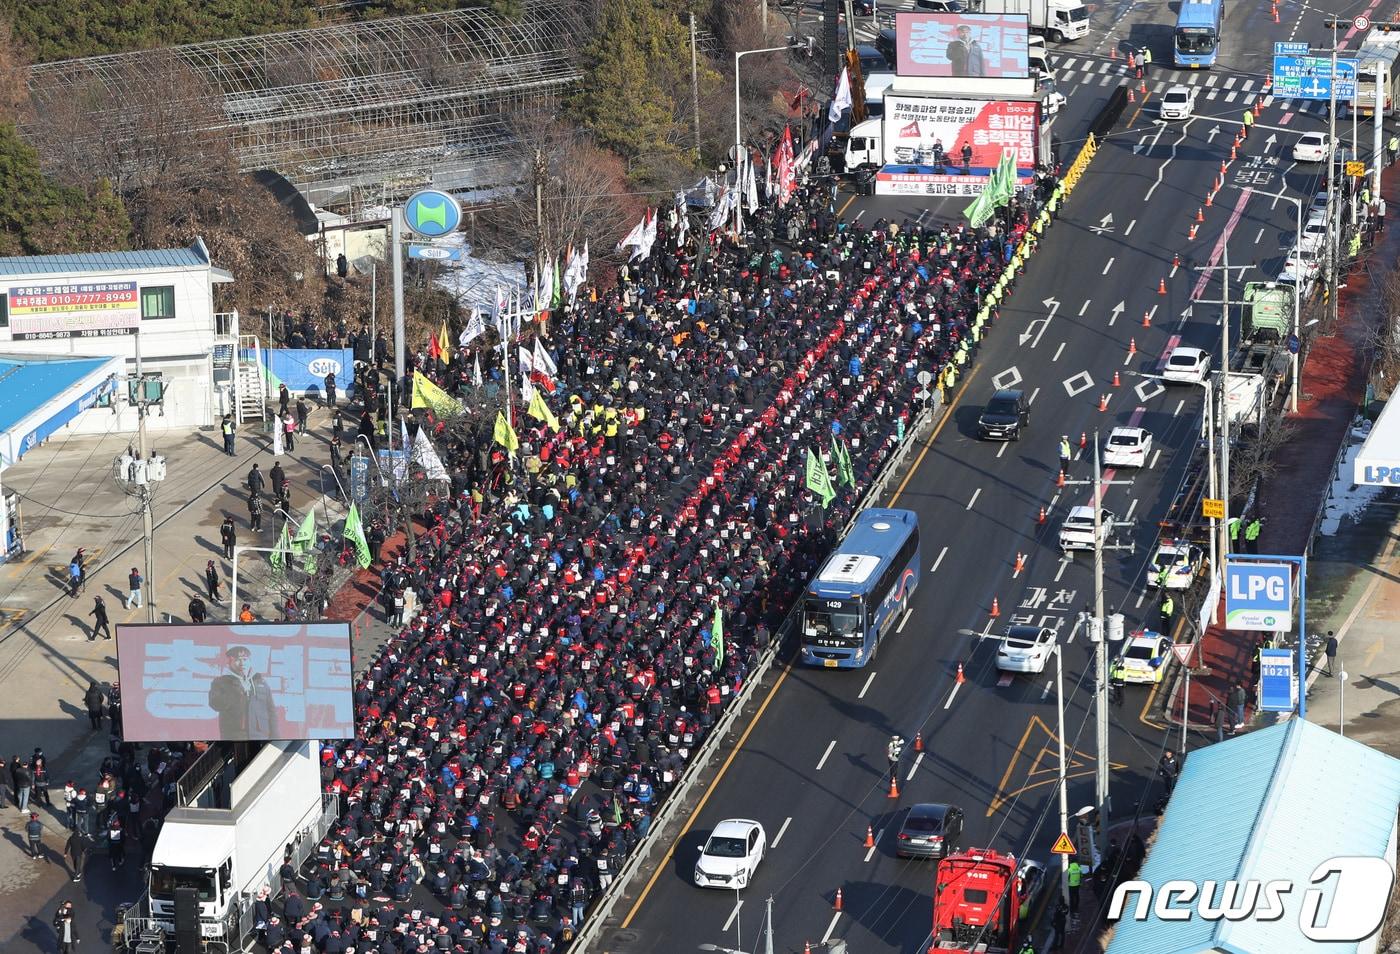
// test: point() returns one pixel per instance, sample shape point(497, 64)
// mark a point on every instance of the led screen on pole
point(235, 682)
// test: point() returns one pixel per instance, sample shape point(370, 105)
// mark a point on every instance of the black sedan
point(930, 830)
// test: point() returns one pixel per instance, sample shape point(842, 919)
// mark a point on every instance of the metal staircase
point(250, 382)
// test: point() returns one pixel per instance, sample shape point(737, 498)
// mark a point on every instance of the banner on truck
point(991, 45)
point(918, 130)
point(235, 682)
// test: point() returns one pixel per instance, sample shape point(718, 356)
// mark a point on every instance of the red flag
point(787, 173)
point(434, 349)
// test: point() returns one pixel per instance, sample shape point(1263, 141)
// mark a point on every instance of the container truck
point(1060, 20)
point(1268, 316)
point(242, 810)
point(981, 901)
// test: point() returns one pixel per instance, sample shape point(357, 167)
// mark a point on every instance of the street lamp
point(738, 129)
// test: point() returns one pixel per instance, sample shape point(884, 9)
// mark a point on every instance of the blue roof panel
point(145, 260)
point(26, 384)
point(1269, 805)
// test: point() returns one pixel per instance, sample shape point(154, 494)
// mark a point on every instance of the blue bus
point(1197, 39)
point(862, 590)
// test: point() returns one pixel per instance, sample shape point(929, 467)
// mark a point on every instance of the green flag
point(355, 533)
point(1004, 178)
point(845, 473)
point(304, 543)
point(717, 636)
point(819, 479)
point(284, 545)
point(981, 208)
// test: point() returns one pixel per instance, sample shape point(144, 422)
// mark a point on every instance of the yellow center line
point(753, 723)
point(1011, 764)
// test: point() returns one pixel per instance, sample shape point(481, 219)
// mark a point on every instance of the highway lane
point(813, 768)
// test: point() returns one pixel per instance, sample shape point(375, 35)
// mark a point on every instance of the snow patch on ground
point(1345, 499)
point(473, 281)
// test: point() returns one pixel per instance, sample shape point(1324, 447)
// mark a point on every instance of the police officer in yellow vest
point(1251, 535)
point(1076, 877)
point(1234, 527)
point(1168, 607)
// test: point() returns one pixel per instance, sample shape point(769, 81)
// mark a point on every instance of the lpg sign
point(1259, 596)
point(1376, 474)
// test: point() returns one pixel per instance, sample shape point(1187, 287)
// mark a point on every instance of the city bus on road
point(1196, 42)
point(862, 591)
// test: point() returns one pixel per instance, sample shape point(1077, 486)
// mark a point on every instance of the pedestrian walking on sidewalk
point(39, 768)
point(1330, 650)
point(1238, 698)
point(34, 832)
point(133, 596)
point(255, 511)
point(1059, 925)
point(99, 619)
point(75, 576)
point(211, 581)
point(228, 536)
point(24, 783)
point(255, 480)
point(284, 398)
point(1169, 769)
point(76, 848)
point(330, 389)
point(226, 427)
point(67, 928)
point(116, 842)
point(303, 412)
point(198, 611)
point(279, 479)
point(95, 702)
point(289, 432)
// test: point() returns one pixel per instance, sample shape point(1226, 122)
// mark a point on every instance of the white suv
point(1077, 532)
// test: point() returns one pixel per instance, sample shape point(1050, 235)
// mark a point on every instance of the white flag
point(426, 456)
point(682, 225)
point(649, 234)
point(635, 239)
point(544, 364)
point(842, 100)
point(751, 195)
point(476, 327)
point(476, 370)
point(720, 211)
point(527, 362)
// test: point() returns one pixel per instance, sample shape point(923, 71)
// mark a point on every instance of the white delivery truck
point(242, 807)
point(1060, 20)
point(1245, 397)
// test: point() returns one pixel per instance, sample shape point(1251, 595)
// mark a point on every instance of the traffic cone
point(1103, 402)
point(1083, 439)
point(1132, 347)
point(1132, 63)
point(918, 741)
point(996, 608)
point(807, 948)
point(1041, 519)
point(1116, 382)
point(1191, 235)
point(1258, 107)
point(1130, 95)
point(1223, 167)
point(894, 793)
point(1161, 286)
point(1210, 199)
point(1147, 315)
point(838, 904)
point(1234, 153)
point(1059, 482)
point(1176, 259)
point(869, 837)
point(1020, 563)
point(961, 678)
point(1200, 214)
point(1113, 53)
point(1275, 13)
point(1142, 88)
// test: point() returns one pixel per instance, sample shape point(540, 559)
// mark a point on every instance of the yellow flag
point(505, 434)
point(444, 345)
point(540, 411)
point(427, 394)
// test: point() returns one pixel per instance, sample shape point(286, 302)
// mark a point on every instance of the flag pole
point(505, 350)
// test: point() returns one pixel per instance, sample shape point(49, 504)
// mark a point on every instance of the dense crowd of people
point(557, 663)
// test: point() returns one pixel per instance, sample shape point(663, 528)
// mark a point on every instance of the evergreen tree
point(38, 216)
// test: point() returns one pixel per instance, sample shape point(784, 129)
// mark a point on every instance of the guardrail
point(660, 832)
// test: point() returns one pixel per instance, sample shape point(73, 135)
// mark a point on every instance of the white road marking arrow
point(1215, 131)
point(1037, 327)
point(1105, 225)
point(1117, 310)
point(1271, 141)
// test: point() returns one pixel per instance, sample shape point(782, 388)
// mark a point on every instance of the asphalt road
point(812, 769)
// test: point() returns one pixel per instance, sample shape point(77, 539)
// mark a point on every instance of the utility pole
point(541, 171)
point(137, 476)
point(1097, 626)
point(396, 251)
point(695, 86)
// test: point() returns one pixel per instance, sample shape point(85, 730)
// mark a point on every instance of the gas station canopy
point(38, 395)
point(1378, 462)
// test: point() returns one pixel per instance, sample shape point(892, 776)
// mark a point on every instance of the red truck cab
point(980, 899)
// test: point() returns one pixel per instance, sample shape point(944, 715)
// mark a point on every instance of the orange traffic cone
point(838, 904)
point(1147, 315)
point(1060, 481)
point(1223, 167)
point(1132, 63)
point(1142, 87)
point(996, 608)
point(918, 741)
point(1113, 53)
point(1275, 13)
point(1132, 347)
point(961, 678)
point(807, 948)
point(869, 837)
point(894, 793)
point(1210, 199)
point(1083, 439)
point(1200, 215)
point(1020, 563)
point(1234, 153)
point(1176, 259)
point(1191, 235)
point(1161, 286)
point(1041, 518)
point(1258, 107)
point(1116, 383)
point(1130, 95)
point(1103, 402)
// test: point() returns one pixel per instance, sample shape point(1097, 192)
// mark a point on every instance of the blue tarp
point(304, 370)
point(30, 388)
